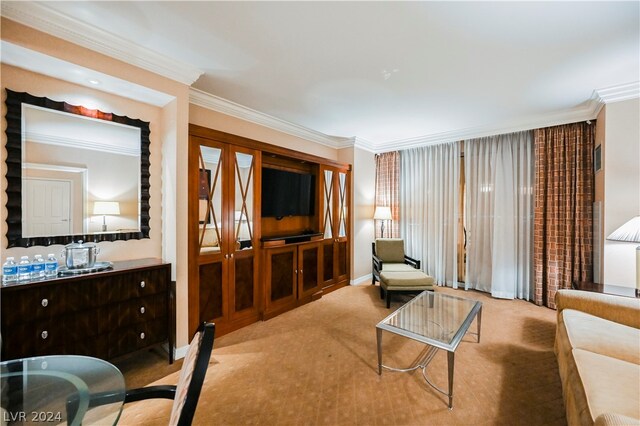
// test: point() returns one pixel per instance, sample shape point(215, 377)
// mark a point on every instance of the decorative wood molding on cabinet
point(244, 267)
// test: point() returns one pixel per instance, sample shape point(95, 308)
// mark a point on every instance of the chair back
point(192, 375)
point(390, 250)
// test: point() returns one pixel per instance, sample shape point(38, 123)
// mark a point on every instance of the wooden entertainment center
point(246, 266)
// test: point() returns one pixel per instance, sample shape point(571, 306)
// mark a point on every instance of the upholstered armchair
point(389, 256)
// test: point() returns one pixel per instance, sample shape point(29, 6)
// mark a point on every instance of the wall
point(363, 189)
point(169, 137)
point(40, 85)
point(620, 187)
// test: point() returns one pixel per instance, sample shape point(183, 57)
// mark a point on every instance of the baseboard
point(181, 352)
point(361, 280)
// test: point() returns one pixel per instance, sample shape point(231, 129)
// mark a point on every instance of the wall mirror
point(74, 173)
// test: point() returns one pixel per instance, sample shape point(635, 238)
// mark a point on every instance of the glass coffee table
point(437, 320)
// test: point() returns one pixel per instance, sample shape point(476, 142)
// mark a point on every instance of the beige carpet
point(317, 365)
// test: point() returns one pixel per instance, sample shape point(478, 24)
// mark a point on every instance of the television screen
point(287, 193)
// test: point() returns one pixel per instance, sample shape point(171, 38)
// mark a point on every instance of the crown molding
point(80, 144)
point(587, 111)
point(45, 19)
point(224, 106)
point(621, 92)
point(363, 144)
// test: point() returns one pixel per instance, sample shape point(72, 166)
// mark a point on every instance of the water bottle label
point(24, 269)
point(51, 266)
point(37, 267)
point(9, 270)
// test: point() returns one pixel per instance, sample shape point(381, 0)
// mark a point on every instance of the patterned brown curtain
point(387, 189)
point(564, 194)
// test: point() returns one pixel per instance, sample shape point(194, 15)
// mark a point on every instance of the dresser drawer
point(144, 309)
point(20, 305)
point(41, 337)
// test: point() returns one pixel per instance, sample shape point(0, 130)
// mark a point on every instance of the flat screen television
point(286, 193)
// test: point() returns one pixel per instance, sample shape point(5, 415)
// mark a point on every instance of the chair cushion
point(610, 385)
point(397, 267)
point(390, 249)
point(406, 281)
point(602, 336)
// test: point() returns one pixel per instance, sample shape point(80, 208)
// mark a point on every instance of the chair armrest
point(411, 261)
point(377, 263)
point(620, 309)
point(150, 392)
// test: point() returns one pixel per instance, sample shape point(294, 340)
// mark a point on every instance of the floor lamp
point(630, 233)
point(382, 213)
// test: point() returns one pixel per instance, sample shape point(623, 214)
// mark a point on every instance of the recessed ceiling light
point(95, 82)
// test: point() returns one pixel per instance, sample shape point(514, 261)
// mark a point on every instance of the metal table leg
point(450, 363)
point(379, 339)
point(479, 321)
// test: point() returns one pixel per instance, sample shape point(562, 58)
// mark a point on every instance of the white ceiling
point(388, 71)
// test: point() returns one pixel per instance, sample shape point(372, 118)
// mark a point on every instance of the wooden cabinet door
point(341, 207)
point(309, 279)
point(208, 266)
point(244, 223)
point(281, 277)
point(335, 225)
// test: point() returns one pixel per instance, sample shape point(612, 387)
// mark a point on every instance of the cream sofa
point(598, 350)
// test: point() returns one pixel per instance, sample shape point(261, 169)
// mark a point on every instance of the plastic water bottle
point(24, 269)
point(37, 267)
point(9, 271)
point(51, 266)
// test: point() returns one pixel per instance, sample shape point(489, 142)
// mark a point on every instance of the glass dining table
point(59, 389)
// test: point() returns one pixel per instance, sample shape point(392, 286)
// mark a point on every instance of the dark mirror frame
point(13, 116)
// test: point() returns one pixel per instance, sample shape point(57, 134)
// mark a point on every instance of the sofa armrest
point(620, 309)
point(411, 261)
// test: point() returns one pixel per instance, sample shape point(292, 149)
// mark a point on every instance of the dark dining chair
point(185, 394)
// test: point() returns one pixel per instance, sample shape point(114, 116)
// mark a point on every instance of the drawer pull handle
point(44, 334)
point(142, 284)
point(45, 303)
point(142, 336)
point(142, 310)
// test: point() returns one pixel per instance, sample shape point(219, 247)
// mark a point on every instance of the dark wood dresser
point(103, 314)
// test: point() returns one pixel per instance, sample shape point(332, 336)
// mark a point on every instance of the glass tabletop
point(58, 390)
point(433, 318)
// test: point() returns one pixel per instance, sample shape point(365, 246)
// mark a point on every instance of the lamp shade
point(629, 232)
point(382, 213)
point(106, 207)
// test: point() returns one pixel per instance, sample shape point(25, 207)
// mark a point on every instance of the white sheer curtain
point(499, 173)
point(429, 179)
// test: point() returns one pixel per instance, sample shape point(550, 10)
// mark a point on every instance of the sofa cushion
point(397, 267)
point(602, 336)
point(406, 281)
point(390, 250)
point(610, 385)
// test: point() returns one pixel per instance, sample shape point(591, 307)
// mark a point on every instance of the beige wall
point(621, 167)
point(363, 187)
